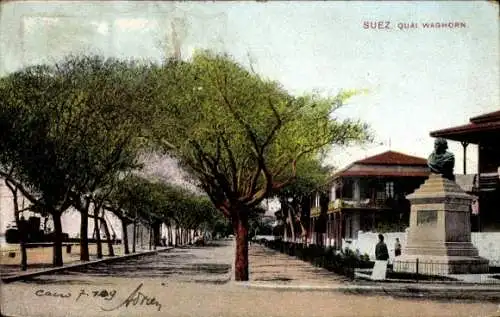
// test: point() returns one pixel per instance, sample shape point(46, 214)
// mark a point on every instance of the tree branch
point(232, 163)
point(18, 185)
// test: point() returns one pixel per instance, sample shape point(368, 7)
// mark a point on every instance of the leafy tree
point(118, 202)
point(295, 198)
point(239, 134)
point(154, 202)
point(257, 223)
point(33, 146)
point(70, 129)
point(105, 129)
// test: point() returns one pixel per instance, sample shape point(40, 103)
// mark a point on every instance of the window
point(347, 189)
point(389, 189)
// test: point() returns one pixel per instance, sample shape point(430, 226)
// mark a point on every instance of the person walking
point(397, 248)
point(381, 252)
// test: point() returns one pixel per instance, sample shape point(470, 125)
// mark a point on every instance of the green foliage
point(239, 134)
point(340, 262)
point(70, 128)
point(311, 177)
point(390, 226)
point(153, 201)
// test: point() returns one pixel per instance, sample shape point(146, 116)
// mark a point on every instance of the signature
point(42, 292)
point(137, 298)
point(134, 299)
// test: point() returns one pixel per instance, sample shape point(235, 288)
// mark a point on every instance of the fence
point(434, 271)
point(343, 263)
point(353, 265)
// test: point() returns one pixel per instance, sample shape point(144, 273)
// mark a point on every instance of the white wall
point(487, 243)
point(367, 240)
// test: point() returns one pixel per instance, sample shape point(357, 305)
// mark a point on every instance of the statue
point(441, 161)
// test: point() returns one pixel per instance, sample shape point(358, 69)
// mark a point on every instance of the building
point(484, 131)
point(367, 195)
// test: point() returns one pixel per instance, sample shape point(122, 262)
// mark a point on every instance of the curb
point(18, 277)
point(476, 293)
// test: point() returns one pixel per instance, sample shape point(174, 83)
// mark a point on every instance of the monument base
point(441, 265)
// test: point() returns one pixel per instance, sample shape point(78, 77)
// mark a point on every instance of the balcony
point(338, 204)
point(489, 181)
point(315, 211)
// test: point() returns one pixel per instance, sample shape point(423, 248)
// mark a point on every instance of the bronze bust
point(441, 161)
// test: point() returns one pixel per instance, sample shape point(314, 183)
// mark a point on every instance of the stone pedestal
point(439, 238)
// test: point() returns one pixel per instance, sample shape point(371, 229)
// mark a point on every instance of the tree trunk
point(240, 226)
point(125, 237)
point(291, 222)
point(176, 239)
point(22, 238)
point(141, 235)
point(111, 252)
point(97, 233)
point(150, 234)
point(84, 238)
point(21, 228)
point(57, 257)
point(24, 255)
point(157, 234)
point(134, 238)
point(170, 236)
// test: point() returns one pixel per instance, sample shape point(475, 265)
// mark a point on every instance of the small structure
point(439, 237)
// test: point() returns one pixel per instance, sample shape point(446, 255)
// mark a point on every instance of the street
point(192, 282)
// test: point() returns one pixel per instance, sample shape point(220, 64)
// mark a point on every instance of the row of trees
point(73, 132)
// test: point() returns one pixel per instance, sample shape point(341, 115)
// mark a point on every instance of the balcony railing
point(315, 211)
point(488, 181)
point(364, 203)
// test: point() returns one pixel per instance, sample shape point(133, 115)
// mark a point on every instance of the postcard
point(249, 158)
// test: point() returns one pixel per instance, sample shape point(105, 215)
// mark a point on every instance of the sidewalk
point(41, 257)
point(11, 274)
point(267, 265)
point(270, 269)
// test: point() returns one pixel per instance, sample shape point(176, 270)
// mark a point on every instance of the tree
point(21, 224)
point(32, 147)
point(239, 133)
point(256, 222)
point(295, 198)
point(117, 202)
point(70, 129)
point(109, 139)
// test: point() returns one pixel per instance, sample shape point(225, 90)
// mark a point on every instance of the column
point(356, 224)
point(356, 195)
point(464, 145)
point(479, 185)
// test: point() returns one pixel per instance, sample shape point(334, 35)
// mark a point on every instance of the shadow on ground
point(274, 279)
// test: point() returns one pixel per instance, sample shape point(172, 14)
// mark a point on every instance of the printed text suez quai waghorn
point(389, 25)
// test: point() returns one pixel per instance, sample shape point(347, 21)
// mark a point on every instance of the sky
point(418, 79)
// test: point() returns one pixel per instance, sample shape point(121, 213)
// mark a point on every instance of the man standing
point(397, 248)
point(381, 252)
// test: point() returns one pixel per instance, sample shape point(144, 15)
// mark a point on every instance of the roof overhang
point(362, 170)
point(484, 127)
